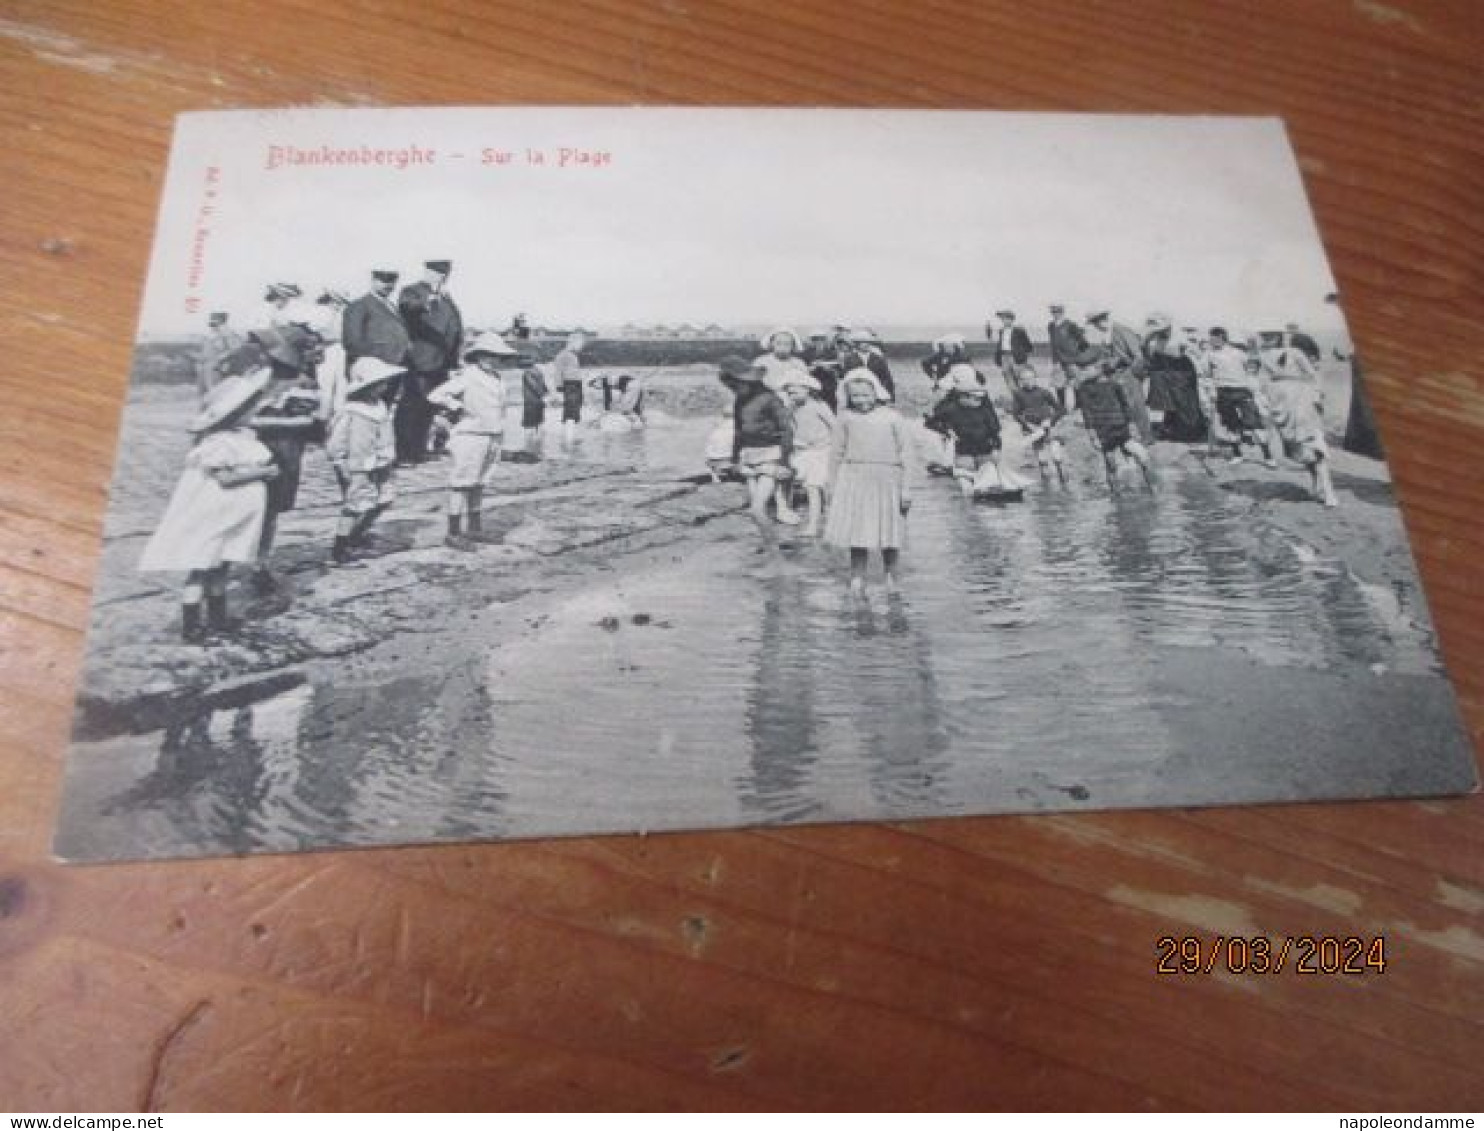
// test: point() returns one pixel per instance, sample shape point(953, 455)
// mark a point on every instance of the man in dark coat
point(372, 326)
point(436, 329)
point(1012, 347)
point(862, 348)
point(1069, 352)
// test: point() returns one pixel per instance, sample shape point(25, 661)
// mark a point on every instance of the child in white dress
point(869, 458)
point(215, 515)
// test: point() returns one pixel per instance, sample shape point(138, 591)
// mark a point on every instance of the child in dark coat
point(1112, 419)
point(968, 416)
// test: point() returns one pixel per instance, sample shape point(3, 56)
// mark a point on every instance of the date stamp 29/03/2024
point(1352, 955)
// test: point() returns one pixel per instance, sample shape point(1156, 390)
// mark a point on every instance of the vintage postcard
point(493, 473)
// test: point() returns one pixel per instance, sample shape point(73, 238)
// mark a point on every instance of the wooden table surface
point(986, 963)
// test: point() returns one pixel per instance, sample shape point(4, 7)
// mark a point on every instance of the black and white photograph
point(504, 473)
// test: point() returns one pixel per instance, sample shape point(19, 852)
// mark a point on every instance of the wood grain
point(985, 963)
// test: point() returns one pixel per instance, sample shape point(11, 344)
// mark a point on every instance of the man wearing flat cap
point(435, 328)
point(1069, 352)
point(221, 342)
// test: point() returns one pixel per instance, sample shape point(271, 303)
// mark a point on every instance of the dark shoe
point(459, 542)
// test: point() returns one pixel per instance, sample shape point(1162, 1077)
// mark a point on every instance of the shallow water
point(1025, 666)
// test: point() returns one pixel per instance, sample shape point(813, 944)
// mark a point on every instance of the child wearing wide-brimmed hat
point(477, 395)
point(814, 428)
point(870, 456)
point(762, 438)
point(362, 448)
point(215, 515)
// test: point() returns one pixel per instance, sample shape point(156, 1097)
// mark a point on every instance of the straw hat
point(950, 341)
point(489, 343)
point(229, 397)
point(860, 374)
point(1096, 314)
point(368, 371)
point(283, 290)
point(1157, 323)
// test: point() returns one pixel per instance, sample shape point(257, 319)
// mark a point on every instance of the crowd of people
point(817, 418)
point(392, 378)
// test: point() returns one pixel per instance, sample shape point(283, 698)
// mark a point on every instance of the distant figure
point(566, 373)
point(1069, 350)
point(948, 351)
point(520, 329)
point(1012, 347)
point(1295, 337)
point(869, 496)
point(823, 362)
point(533, 393)
point(220, 342)
point(436, 329)
point(281, 305)
point(861, 347)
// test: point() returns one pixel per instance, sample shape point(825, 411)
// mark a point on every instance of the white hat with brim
point(863, 334)
point(489, 343)
point(865, 377)
point(1096, 314)
point(368, 371)
point(951, 341)
point(229, 397)
point(965, 378)
point(766, 341)
point(800, 381)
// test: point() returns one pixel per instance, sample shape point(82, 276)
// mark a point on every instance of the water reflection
point(1025, 666)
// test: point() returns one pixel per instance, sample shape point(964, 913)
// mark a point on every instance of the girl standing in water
point(869, 456)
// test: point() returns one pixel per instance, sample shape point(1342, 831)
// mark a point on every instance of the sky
point(749, 217)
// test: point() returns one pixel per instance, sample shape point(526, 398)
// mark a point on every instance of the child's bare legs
point(1057, 453)
point(1324, 486)
point(784, 503)
point(760, 492)
point(858, 558)
point(1110, 468)
point(815, 496)
point(890, 555)
point(1140, 455)
point(459, 503)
